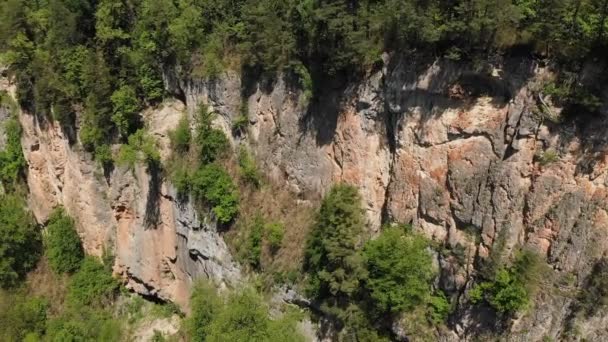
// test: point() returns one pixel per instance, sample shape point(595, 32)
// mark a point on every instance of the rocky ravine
point(454, 151)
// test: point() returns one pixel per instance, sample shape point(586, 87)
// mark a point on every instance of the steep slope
point(466, 156)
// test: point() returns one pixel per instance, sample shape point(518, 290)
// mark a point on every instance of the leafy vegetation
point(242, 316)
point(63, 248)
point(332, 259)
point(12, 162)
point(400, 272)
point(141, 147)
point(20, 240)
point(211, 142)
point(511, 288)
point(248, 169)
point(213, 185)
point(92, 284)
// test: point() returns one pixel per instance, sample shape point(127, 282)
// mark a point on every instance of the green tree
point(20, 240)
point(21, 314)
point(92, 284)
point(205, 304)
point(332, 250)
point(211, 142)
point(125, 109)
point(63, 246)
point(181, 136)
point(214, 186)
point(400, 270)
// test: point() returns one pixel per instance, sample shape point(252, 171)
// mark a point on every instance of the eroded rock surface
point(461, 154)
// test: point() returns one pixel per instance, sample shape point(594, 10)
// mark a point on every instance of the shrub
point(63, 245)
point(205, 304)
point(21, 315)
point(253, 247)
point(181, 136)
point(548, 157)
point(511, 288)
point(245, 318)
point(248, 169)
point(438, 308)
point(275, 232)
point(92, 284)
point(213, 185)
point(141, 147)
point(506, 294)
point(125, 108)
point(336, 268)
point(400, 270)
point(84, 323)
point(20, 240)
point(12, 162)
point(212, 142)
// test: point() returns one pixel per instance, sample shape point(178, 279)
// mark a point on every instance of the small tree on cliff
point(64, 248)
point(20, 241)
point(332, 252)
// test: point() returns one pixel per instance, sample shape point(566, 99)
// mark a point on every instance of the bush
point(84, 324)
point(20, 240)
point(274, 235)
point(248, 169)
point(213, 185)
point(63, 245)
point(125, 108)
point(336, 268)
point(141, 147)
point(400, 270)
point(12, 162)
point(212, 142)
point(511, 288)
point(21, 315)
point(92, 284)
point(253, 247)
point(205, 304)
point(243, 317)
point(181, 136)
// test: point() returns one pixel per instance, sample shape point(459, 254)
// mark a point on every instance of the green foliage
point(511, 288)
point(181, 136)
point(275, 232)
point(214, 186)
point(205, 304)
point(92, 284)
point(400, 270)
point(12, 161)
point(438, 308)
point(332, 259)
point(248, 169)
point(21, 315)
point(84, 323)
point(63, 246)
point(125, 108)
point(253, 245)
point(20, 240)
point(140, 148)
point(242, 317)
point(211, 142)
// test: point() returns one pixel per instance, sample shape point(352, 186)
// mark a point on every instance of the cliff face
point(466, 156)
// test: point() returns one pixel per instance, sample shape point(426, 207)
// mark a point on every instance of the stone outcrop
point(480, 167)
point(466, 156)
point(160, 244)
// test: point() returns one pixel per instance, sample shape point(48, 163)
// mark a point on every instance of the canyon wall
point(465, 154)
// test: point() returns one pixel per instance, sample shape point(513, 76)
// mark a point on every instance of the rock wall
point(160, 245)
point(464, 155)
